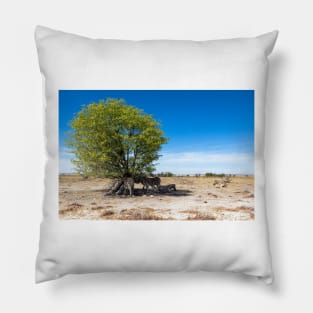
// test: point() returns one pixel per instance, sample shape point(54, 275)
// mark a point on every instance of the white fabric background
point(289, 156)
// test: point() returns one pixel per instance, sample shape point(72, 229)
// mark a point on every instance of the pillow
point(154, 155)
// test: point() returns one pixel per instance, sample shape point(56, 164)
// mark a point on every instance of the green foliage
point(113, 139)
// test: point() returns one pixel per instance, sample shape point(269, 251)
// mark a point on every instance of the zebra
point(129, 183)
point(153, 182)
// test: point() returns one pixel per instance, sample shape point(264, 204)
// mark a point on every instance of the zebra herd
point(126, 184)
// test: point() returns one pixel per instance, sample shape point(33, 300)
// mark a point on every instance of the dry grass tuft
point(240, 209)
point(75, 205)
point(71, 207)
point(195, 215)
point(97, 207)
point(108, 213)
point(201, 216)
point(237, 209)
point(212, 195)
point(140, 214)
point(245, 209)
point(143, 214)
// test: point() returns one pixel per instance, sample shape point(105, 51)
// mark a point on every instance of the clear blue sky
point(209, 130)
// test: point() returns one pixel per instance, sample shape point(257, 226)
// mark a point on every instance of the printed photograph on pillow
point(156, 155)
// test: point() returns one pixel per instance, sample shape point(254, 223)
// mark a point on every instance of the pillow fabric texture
point(77, 245)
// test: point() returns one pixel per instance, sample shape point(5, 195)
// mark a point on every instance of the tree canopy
point(113, 139)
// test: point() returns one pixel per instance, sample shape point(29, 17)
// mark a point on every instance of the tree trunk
point(118, 187)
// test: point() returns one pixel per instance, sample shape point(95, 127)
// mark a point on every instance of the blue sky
point(209, 130)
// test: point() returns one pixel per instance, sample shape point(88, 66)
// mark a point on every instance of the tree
point(113, 139)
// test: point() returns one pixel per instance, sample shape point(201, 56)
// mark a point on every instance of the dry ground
point(196, 198)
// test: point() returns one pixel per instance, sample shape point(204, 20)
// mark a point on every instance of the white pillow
point(76, 244)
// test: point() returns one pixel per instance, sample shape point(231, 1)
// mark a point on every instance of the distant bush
point(166, 174)
point(214, 175)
